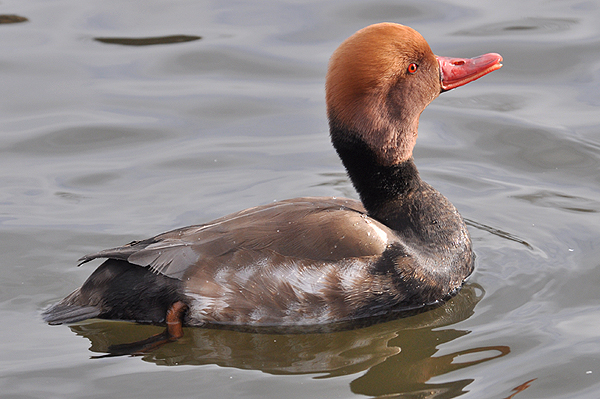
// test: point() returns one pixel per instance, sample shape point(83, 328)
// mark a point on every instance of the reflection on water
point(409, 373)
point(147, 41)
point(401, 351)
point(539, 25)
point(11, 19)
point(521, 388)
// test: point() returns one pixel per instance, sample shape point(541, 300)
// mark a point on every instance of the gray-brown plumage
point(314, 261)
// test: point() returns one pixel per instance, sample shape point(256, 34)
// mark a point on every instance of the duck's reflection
point(398, 355)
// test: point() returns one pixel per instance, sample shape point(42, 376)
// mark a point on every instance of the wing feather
point(313, 228)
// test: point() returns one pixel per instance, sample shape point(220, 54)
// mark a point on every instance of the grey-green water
point(102, 143)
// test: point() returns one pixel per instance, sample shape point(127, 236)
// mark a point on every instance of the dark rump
point(118, 290)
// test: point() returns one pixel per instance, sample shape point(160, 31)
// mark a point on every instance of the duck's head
point(380, 80)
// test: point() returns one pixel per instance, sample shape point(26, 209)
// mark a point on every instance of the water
point(102, 143)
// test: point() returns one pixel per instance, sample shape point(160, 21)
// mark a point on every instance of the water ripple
point(518, 27)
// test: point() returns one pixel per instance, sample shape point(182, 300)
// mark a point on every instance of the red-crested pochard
point(313, 261)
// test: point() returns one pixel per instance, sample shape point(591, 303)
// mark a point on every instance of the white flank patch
point(352, 276)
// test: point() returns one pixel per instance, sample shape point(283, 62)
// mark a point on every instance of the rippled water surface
point(120, 120)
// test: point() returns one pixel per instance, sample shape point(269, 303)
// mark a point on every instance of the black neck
point(376, 184)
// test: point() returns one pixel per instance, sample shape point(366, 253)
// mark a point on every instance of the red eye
point(412, 68)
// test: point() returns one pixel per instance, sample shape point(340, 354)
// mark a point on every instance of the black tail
point(70, 310)
point(118, 290)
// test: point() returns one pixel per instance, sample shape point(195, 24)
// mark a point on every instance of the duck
point(313, 261)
